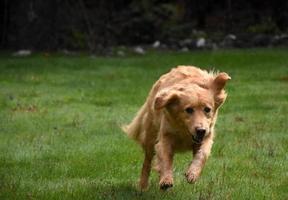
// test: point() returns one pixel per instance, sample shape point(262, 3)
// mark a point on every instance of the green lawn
point(60, 135)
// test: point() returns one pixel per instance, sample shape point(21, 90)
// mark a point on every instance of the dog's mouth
point(197, 140)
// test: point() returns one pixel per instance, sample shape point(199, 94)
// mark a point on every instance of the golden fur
point(179, 115)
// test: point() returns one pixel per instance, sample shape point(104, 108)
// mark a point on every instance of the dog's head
point(192, 109)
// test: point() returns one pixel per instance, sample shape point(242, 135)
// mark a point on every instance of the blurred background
point(98, 25)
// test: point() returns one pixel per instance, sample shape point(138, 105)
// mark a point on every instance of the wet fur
point(162, 127)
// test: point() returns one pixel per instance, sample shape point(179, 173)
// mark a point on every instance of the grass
point(60, 136)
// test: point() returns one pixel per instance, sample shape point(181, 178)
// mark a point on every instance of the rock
point(120, 53)
point(68, 52)
point(188, 43)
point(261, 40)
point(184, 49)
point(139, 50)
point(280, 40)
point(164, 46)
point(229, 41)
point(22, 53)
point(156, 44)
point(198, 33)
point(201, 42)
point(214, 46)
point(231, 37)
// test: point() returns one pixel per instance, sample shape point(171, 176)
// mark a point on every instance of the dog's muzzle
point(200, 133)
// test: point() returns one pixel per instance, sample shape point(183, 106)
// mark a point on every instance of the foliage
point(266, 27)
point(92, 25)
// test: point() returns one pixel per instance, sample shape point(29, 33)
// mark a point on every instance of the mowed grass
point(60, 119)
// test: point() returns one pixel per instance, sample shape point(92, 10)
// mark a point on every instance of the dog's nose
point(200, 132)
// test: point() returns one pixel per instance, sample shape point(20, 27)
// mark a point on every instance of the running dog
point(179, 115)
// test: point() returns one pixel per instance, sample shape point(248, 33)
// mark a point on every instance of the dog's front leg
point(201, 154)
point(165, 161)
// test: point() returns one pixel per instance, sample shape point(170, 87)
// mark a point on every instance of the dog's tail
point(133, 130)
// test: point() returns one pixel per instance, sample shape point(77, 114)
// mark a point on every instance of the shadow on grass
point(126, 191)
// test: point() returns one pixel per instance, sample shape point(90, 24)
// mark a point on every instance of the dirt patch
point(239, 119)
point(284, 78)
point(29, 108)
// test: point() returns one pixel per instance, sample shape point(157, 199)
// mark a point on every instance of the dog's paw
point(191, 177)
point(165, 183)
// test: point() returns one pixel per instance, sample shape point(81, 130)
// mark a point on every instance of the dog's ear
point(220, 81)
point(165, 99)
point(218, 87)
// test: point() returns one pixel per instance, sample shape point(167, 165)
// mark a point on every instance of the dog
point(178, 115)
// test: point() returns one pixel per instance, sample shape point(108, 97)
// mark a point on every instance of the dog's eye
point(189, 110)
point(207, 109)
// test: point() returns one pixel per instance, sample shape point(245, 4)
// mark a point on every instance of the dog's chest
point(182, 143)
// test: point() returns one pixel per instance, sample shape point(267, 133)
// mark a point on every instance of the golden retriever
point(179, 115)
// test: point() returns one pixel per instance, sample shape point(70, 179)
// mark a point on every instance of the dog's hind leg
point(146, 168)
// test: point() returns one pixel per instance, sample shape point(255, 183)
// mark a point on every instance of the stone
point(156, 44)
point(139, 50)
point(201, 42)
point(22, 53)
